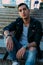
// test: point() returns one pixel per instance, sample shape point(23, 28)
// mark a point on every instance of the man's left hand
point(20, 53)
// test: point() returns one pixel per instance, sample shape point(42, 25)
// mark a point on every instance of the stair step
point(2, 50)
point(6, 62)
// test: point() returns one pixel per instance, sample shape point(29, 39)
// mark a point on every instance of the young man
point(26, 39)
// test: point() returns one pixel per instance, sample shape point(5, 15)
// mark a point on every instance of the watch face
point(8, 35)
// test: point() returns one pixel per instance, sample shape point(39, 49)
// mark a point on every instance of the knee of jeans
point(32, 48)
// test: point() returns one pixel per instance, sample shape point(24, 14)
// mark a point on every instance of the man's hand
point(9, 43)
point(20, 53)
point(32, 44)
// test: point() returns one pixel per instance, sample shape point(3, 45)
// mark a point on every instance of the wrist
point(8, 35)
point(26, 47)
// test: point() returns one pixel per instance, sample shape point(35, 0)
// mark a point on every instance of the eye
point(24, 8)
point(20, 10)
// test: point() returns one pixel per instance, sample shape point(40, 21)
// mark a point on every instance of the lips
point(24, 15)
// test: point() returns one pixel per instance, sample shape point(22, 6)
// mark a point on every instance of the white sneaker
point(15, 63)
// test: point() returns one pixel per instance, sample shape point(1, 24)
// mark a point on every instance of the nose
point(22, 11)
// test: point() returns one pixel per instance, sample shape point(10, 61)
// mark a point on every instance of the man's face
point(24, 12)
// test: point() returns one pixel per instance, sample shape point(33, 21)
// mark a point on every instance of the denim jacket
point(34, 30)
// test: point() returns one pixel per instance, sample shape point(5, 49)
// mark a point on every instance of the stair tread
point(2, 56)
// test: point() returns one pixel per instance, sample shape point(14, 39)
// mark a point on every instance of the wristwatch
point(8, 35)
point(25, 46)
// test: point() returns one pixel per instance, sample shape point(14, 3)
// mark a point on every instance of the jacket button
point(33, 30)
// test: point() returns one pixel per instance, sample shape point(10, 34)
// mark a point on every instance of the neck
point(26, 21)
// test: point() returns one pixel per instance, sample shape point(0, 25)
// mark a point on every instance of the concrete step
point(8, 16)
point(13, 19)
point(16, 13)
point(8, 9)
point(37, 16)
point(6, 62)
point(7, 20)
point(16, 16)
point(36, 11)
point(6, 23)
point(9, 62)
point(2, 50)
point(15, 10)
point(22, 62)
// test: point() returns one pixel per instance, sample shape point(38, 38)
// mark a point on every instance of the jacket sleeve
point(12, 26)
point(38, 34)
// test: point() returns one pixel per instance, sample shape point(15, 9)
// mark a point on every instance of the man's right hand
point(9, 43)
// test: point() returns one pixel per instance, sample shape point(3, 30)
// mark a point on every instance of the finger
point(18, 55)
point(11, 47)
point(23, 53)
point(8, 47)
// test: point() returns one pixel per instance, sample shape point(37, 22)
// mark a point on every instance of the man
point(24, 44)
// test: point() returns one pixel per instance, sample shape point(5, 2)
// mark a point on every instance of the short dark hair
point(23, 4)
